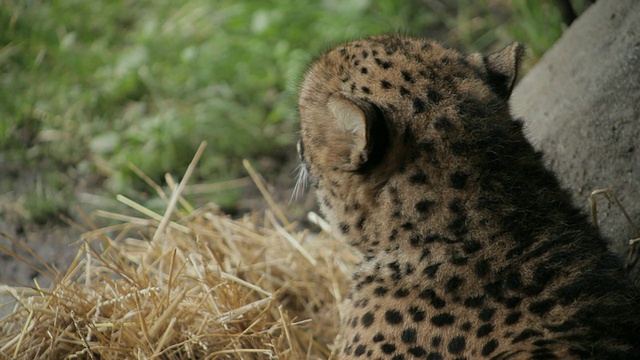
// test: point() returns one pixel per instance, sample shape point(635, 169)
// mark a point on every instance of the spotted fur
point(472, 250)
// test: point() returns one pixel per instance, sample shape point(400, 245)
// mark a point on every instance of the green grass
point(89, 86)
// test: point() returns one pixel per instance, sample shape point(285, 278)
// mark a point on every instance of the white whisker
point(300, 187)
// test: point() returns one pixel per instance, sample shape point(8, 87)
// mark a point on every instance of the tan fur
point(472, 249)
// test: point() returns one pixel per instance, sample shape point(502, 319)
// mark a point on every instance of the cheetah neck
point(481, 210)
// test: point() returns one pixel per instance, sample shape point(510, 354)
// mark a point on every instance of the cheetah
point(471, 248)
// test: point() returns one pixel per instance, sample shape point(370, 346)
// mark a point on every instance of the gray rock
point(581, 105)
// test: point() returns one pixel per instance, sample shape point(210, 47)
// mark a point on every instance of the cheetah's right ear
point(351, 125)
point(502, 67)
point(354, 126)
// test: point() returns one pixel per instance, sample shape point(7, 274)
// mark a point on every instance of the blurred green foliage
point(88, 86)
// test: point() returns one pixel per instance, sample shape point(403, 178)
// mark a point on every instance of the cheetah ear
point(351, 126)
point(355, 124)
point(503, 68)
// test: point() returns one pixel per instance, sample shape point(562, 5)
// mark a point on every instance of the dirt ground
point(56, 243)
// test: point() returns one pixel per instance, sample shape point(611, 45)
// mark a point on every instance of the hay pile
point(192, 284)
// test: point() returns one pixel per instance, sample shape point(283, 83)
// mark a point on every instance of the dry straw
point(188, 284)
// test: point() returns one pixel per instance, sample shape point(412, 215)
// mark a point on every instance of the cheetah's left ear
point(502, 67)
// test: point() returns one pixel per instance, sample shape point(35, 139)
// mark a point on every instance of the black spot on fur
point(418, 105)
point(443, 319)
point(471, 246)
point(424, 254)
point(382, 63)
point(438, 302)
point(513, 280)
point(434, 96)
point(443, 124)
point(541, 307)
point(486, 314)
point(453, 284)
point(427, 294)
point(407, 226)
point(385, 84)
point(459, 179)
point(525, 335)
point(417, 315)
point(367, 319)
point(409, 335)
point(419, 177)
point(388, 348)
point(544, 342)
point(393, 317)
point(404, 91)
point(456, 206)
point(431, 270)
point(489, 347)
point(494, 289)
point(344, 228)
point(466, 326)
point(482, 268)
point(391, 47)
point(380, 291)
point(474, 301)
point(424, 206)
point(397, 272)
point(407, 134)
point(416, 240)
point(409, 269)
point(364, 70)
point(406, 76)
point(435, 341)
point(459, 225)
point(360, 350)
point(417, 351)
point(513, 318)
point(426, 146)
point(456, 345)
point(484, 330)
point(562, 327)
point(459, 260)
point(512, 302)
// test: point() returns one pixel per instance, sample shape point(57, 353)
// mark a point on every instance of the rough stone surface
point(581, 105)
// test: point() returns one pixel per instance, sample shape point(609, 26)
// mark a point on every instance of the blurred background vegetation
point(87, 87)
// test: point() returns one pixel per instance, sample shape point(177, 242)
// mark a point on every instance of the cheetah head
point(374, 107)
